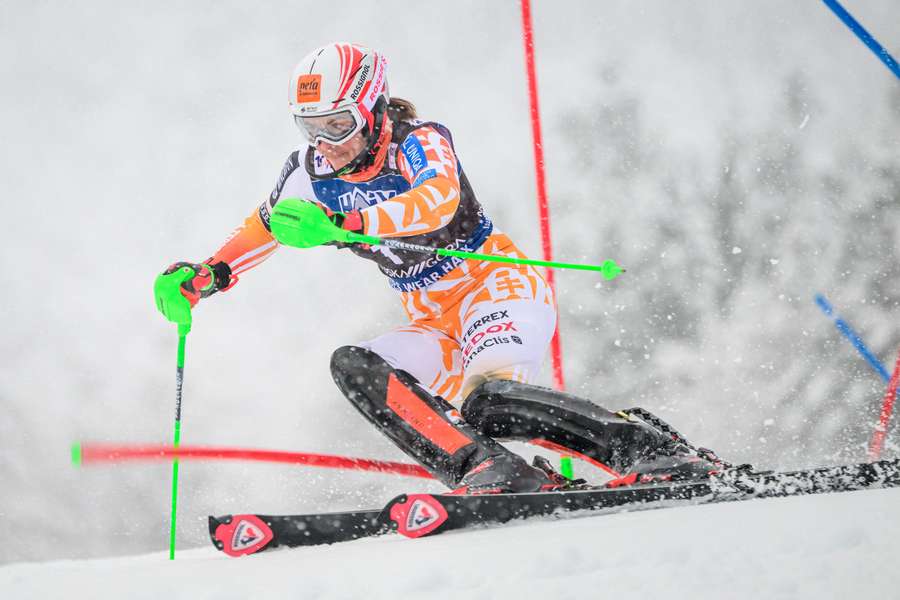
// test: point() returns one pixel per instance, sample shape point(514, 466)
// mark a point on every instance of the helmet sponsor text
point(309, 88)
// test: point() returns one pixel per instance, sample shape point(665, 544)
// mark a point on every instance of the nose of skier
point(339, 156)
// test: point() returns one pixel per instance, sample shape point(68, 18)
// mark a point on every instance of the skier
point(477, 331)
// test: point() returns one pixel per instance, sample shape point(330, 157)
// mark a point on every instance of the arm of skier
point(427, 161)
point(246, 247)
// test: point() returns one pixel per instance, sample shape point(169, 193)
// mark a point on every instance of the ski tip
point(417, 515)
point(239, 535)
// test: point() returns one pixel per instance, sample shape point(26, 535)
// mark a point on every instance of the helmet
point(337, 91)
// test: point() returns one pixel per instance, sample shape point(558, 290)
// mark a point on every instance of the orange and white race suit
point(469, 320)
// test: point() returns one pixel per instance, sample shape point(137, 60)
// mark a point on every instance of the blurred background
point(737, 158)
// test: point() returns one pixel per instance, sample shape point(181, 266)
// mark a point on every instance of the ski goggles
point(334, 128)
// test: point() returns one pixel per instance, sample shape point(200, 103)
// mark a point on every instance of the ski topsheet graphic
point(418, 515)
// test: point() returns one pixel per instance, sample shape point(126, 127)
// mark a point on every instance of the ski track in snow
point(830, 546)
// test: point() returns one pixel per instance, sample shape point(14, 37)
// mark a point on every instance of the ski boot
point(507, 474)
point(563, 483)
point(671, 461)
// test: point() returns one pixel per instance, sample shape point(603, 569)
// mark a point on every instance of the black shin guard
point(518, 411)
point(421, 425)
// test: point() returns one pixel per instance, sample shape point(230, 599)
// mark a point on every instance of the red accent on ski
point(629, 479)
point(420, 515)
point(245, 534)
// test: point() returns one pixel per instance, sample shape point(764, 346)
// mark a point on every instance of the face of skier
point(339, 156)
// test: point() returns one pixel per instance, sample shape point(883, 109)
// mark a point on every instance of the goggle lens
point(335, 127)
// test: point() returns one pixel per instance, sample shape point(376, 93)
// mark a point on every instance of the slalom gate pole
point(887, 404)
point(90, 454)
point(864, 36)
point(543, 208)
point(887, 408)
point(851, 335)
point(183, 330)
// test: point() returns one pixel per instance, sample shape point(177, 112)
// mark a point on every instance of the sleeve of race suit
point(427, 161)
point(250, 244)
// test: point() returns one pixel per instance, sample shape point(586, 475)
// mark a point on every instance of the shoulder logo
point(309, 88)
point(414, 153)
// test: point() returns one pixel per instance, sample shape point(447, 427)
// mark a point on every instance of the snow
point(137, 134)
point(830, 546)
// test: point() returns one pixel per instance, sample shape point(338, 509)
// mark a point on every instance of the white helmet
point(337, 91)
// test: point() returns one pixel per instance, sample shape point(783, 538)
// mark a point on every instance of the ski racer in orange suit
point(374, 167)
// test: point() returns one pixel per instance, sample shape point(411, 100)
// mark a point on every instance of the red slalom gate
point(887, 408)
point(543, 210)
point(103, 453)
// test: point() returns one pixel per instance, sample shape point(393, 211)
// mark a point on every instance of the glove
point(351, 221)
point(178, 289)
point(303, 224)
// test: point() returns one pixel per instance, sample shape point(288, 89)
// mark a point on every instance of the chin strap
point(374, 157)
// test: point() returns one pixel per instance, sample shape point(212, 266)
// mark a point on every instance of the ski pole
point(170, 301)
point(183, 330)
point(608, 268)
point(303, 224)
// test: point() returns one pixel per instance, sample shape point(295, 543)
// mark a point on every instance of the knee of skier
point(489, 383)
point(418, 351)
point(358, 369)
point(353, 369)
point(503, 358)
point(481, 390)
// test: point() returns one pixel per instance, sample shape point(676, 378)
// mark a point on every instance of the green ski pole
point(303, 225)
point(179, 382)
point(170, 302)
point(608, 268)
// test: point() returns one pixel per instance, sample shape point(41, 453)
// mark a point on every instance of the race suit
point(469, 320)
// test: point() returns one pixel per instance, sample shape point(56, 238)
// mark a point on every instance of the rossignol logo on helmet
point(379, 78)
point(359, 84)
point(309, 88)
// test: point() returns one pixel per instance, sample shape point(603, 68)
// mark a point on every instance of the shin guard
point(425, 427)
point(519, 411)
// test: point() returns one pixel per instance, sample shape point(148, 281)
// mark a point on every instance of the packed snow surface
point(831, 546)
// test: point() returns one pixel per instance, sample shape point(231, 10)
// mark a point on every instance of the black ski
point(418, 515)
point(237, 535)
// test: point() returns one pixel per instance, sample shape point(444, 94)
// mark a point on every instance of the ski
point(237, 535)
point(419, 515)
